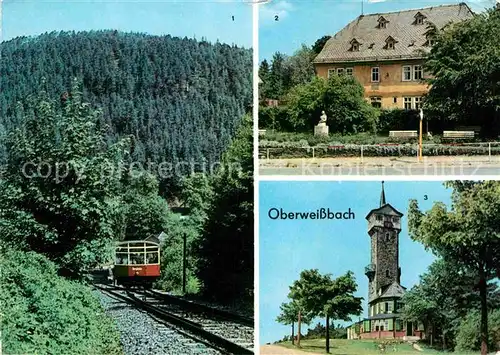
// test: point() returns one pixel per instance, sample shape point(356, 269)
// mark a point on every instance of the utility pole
point(420, 138)
point(184, 261)
point(184, 265)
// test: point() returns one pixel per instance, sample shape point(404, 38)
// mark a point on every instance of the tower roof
point(385, 208)
point(382, 196)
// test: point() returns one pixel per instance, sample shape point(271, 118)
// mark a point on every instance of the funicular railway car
point(137, 263)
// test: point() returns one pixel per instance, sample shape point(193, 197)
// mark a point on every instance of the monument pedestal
point(321, 130)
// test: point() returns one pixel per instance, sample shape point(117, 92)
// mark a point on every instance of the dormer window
point(419, 19)
point(390, 43)
point(382, 22)
point(355, 45)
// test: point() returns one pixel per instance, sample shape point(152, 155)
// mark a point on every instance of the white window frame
point(419, 20)
point(378, 74)
point(330, 71)
point(349, 71)
point(340, 71)
point(390, 45)
point(417, 101)
point(409, 72)
point(407, 100)
point(415, 72)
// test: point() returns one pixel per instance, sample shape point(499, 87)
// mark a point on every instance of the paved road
point(383, 170)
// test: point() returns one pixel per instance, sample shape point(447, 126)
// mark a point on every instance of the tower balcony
point(370, 271)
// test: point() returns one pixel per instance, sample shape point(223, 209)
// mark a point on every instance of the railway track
point(217, 329)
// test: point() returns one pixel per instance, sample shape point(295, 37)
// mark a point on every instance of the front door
point(409, 328)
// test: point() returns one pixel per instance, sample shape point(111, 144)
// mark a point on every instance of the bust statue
point(323, 119)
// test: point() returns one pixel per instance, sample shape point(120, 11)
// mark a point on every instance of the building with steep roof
point(384, 279)
point(385, 52)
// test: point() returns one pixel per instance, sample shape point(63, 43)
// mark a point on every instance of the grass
point(360, 347)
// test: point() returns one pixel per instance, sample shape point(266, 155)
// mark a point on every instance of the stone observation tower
point(384, 279)
point(384, 226)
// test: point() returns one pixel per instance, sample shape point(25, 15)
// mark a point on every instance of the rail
point(211, 339)
point(201, 308)
point(361, 151)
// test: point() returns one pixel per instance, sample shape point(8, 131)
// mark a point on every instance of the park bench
point(403, 134)
point(262, 132)
point(476, 129)
point(458, 134)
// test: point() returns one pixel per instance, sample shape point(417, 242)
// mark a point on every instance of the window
point(406, 73)
point(390, 45)
point(375, 75)
point(418, 103)
point(382, 22)
point(348, 71)
point(340, 71)
point(395, 219)
point(354, 45)
point(387, 274)
point(419, 19)
point(376, 102)
point(395, 100)
point(379, 217)
point(331, 72)
point(386, 307)
point(387, 236)
point(390, 307)
point(407, 102)
point(418, 73)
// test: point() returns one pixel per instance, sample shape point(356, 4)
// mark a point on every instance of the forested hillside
point(181, 99)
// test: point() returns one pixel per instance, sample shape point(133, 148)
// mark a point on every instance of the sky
point(305, 21)
point(195, 18)
point(333, 246)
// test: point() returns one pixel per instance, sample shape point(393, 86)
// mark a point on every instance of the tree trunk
point(327, 334)
point(293, 334)
point(298, 331)
point(431, 333)
point(484, 311)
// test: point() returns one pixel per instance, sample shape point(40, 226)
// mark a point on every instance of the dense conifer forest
point(181, 99)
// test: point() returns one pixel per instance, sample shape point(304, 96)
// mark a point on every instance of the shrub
point(468, 336)
point(396, 120)
point(275, 118)
point(44, 313)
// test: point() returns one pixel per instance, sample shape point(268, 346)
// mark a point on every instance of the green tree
point(289, 313)
point(320, 43)
point(320, 295)
point(300, 66)
point(59, 190)
point(465, 71)
point(467, 235)
point(226, 249)
point(443, 296)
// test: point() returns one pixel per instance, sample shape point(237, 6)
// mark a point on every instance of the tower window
point(387, 274)
point(379, 217)
point(387, 236)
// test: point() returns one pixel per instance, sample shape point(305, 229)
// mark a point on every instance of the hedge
point(296, 150)
point(43, 313)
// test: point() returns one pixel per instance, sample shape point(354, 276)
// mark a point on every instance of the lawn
point(359, 347)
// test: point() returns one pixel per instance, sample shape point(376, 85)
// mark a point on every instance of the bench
point(403, 134)
point(476, 129)
point(458, 134)
point(262, 132)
